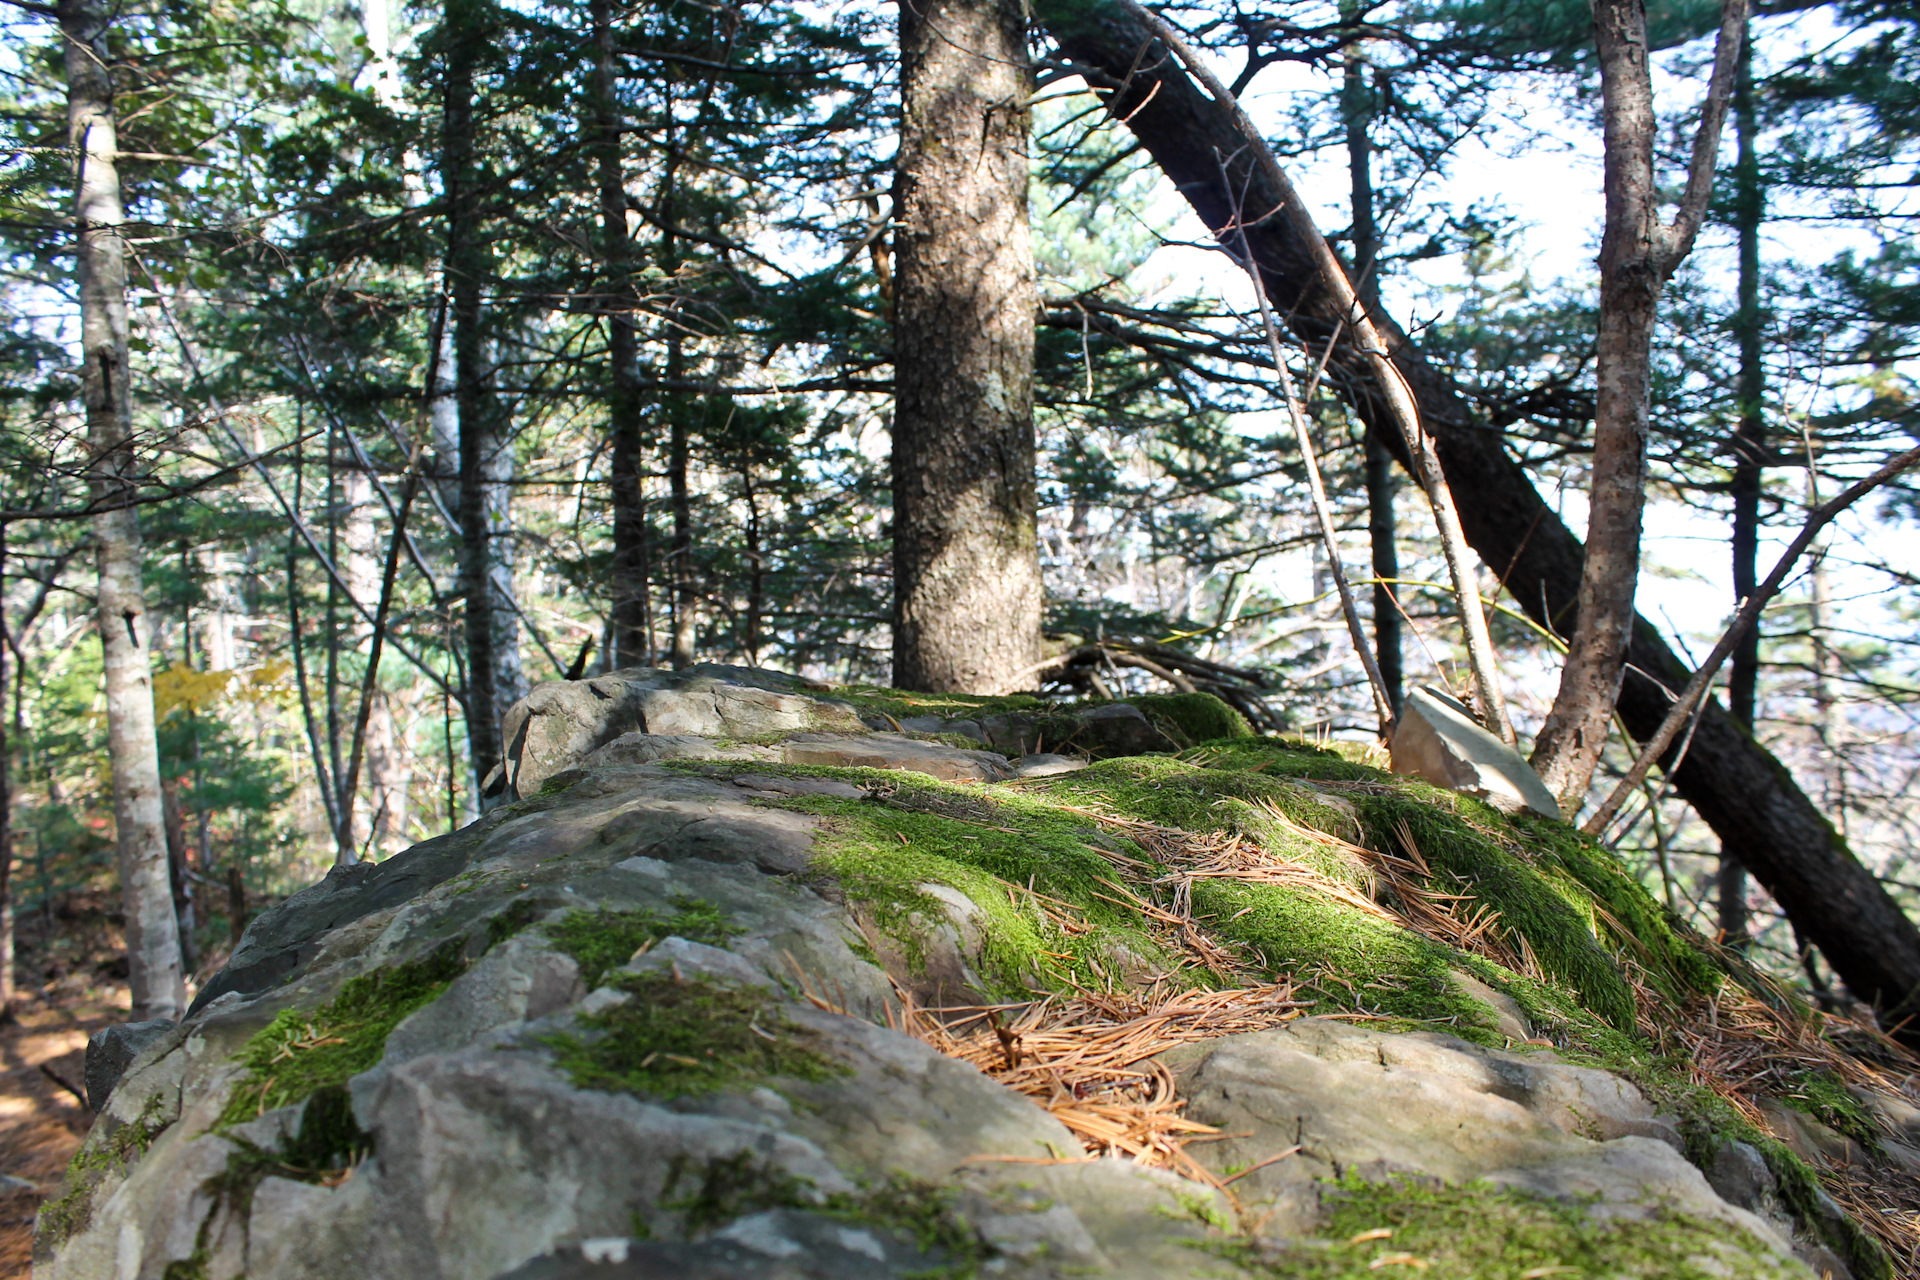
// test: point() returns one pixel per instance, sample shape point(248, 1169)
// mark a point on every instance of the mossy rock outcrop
point(708, 1011)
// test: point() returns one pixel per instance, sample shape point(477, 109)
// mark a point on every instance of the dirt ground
point(41, 1121)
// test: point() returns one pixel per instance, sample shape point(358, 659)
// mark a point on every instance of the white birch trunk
point(153, 940)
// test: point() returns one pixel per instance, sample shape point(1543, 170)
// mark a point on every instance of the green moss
point(1190, 718)
point(1800, 1191)
point(676, 1036)
point(117, 1148)
point(729, 1187)
point(991, 848)
point(301, 1052)
point(1478, 1232)
point(1349, 962)
point(600, 941)
point(1821, 1095)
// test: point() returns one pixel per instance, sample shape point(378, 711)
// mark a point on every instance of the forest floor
point(69, 987)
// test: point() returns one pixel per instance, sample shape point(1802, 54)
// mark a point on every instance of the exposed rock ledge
point(643, 1023)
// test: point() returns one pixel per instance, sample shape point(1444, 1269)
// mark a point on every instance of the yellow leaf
point(1378, 1233)
point(181, 688)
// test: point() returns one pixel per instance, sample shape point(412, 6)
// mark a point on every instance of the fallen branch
point(1392, 386)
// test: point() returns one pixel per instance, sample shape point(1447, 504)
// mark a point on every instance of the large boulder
point(684, 1015)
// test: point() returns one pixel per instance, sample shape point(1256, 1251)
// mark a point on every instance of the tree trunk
point(628, 642)
point(1356, 106)
point(966, 561)
point(494, 677)
point(1749, 453)
point(153, 939)
point(1745, 795)
point(6, 799)
point(1631, 275)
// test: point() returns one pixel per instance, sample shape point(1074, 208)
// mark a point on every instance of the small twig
point(55, 1076)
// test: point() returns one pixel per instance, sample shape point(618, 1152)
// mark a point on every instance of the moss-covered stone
point(1479, 1232)
point(302, 1051)
point(602, 940)
point(1192, 718)
point(117, 1147)
point(677, 1035)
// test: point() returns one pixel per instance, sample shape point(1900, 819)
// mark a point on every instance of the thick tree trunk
point(1749, 453)
point(629, 644)
point(153, 939)
point(966, 560)
point(1631, 275)
point(1736, 785)
point(494, 677)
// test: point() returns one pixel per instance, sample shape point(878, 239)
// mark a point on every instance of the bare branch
point(1676, 239)
point(1749, 614)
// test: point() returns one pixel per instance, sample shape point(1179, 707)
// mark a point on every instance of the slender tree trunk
point(494, 678)
point(6, 798)
point(1569, 744)
point(756, 563)
point(626, 413)
point(1638, 254)
point(1749, 456)
point(966, 561)
point(686, 594)
point(1356, 105)
point(153, 939)
point(1738, 788)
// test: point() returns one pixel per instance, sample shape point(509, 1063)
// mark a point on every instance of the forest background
point(532, 340)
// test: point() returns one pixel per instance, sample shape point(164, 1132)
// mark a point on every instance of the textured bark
point(6, 797)
point(1638, 253)
point(1569, 743)
point(494, 676)
point(966, 557)
point(1735, 784)
point(153, 940)
point(629, 642)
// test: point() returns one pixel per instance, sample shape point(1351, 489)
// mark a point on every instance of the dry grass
point(1086, 1059)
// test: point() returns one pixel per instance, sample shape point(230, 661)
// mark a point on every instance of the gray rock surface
point(1046, 764)
point(1384, 1105)
point(488, 1159)
point(1436, 738)
point(112, 1050)
point(563, 721)
point(896, 751)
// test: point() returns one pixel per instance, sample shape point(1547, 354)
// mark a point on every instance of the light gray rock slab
point(1436, 738)
point(647, 748)
point(800, 786)
point(560, 723)
point(896, 751)
point(1427, 1105)
point(516, 982)
point(1046, 764)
